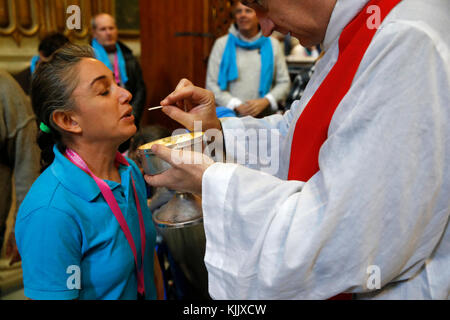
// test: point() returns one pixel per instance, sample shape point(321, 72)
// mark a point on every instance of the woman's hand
point(186, 173)
point(253, 107)
point(188, 104)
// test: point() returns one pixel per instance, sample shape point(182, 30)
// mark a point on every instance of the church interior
point(349, 92)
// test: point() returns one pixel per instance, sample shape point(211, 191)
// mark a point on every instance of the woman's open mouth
point(128, 116)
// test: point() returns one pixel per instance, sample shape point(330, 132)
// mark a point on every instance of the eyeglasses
point(255, 4)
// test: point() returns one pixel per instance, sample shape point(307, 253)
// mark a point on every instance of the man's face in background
point(105, 31)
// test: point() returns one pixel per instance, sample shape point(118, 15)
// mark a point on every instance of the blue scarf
point(228, 67)
point(102, 55)
point(33, 63)
point(224, 112)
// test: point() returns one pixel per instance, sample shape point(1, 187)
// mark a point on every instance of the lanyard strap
point(116, 68)
point(112, 203)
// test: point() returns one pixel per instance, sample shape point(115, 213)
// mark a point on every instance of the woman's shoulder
point(220, 43)
point(43, 196)
point(222, 39)
point(40, 192)
point(44, 222)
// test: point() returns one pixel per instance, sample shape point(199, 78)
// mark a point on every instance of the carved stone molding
point(28, 18)
point(18, 18)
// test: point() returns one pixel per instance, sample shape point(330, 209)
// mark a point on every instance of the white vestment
point(377, 212)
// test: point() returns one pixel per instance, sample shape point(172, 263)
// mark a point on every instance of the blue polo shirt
point(72, 246)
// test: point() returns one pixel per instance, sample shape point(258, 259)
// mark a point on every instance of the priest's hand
point(186, 173)
point(253, 108)
point(188, 104)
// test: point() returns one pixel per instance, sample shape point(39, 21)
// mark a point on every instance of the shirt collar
point(78, 181)
point(234, 31)
point(343, 12)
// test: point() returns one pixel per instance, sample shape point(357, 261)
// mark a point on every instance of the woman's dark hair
point(51, 90)
point(51, 43)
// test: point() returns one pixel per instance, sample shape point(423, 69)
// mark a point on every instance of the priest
point(359, 205)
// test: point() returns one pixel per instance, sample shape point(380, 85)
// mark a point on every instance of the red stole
point(311, 130)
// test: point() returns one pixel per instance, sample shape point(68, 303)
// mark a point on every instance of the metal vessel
point(180, 223)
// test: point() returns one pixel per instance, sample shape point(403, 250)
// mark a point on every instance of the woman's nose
point(125, 96)
point(240, 14)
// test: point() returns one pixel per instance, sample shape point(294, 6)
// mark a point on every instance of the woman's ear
point(66, 121)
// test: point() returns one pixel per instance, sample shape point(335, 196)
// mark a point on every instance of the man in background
point(47, 46)
point(247, 72)
point(119, 59)
point(19, 153)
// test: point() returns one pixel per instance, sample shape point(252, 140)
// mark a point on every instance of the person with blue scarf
point(120, 60)
point(246, 71)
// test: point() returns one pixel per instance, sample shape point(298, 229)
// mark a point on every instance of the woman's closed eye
point(105, 92)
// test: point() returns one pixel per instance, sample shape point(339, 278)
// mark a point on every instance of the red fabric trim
point(343, 296)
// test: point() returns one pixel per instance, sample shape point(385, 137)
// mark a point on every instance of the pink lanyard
point(116, 68)
point(111, 200)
